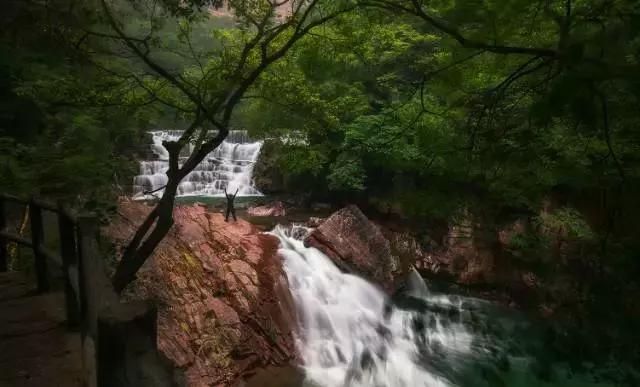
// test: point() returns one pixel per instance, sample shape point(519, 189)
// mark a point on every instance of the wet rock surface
point(223, 298)
point(271, 209)
point(468, 254)
point(357, 245)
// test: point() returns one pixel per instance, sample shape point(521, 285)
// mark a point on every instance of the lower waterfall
point(351, 334)
point(229, 166)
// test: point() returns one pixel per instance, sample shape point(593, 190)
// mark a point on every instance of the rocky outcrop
point(267, 175)
point(272, 209)
point(475, 252)
point(314, 221)
point(469, 250)
point(357, 245)
point(411, 253)
point(223, 298)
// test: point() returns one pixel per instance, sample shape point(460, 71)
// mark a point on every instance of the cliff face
point(223, 298)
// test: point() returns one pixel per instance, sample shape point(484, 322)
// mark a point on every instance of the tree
point(477, 87)
point(61, 136)
point(573, 39)
point(207, 92)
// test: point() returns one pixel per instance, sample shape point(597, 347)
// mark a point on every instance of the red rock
point(468, 253)
point(314, 221)
point(356, 244)
point(411, 253)
point(271, 209)
point(220, 290)
point(223, 312)
point(546, 311)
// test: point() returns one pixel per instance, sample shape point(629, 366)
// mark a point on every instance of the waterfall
point(229, 166)
point(350, 334)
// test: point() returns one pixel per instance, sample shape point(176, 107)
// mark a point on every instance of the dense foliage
point(61, 135)
point(386, 103)
point(503, 112)
point(430, 112)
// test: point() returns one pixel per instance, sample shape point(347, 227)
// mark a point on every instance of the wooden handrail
point(12, 198)
point(58, 209)
point(116, 328)
point(15, 238)
point(114, 334)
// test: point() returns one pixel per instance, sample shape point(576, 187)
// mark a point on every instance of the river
point(350, 333)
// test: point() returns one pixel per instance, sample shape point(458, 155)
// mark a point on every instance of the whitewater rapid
point(350, 334)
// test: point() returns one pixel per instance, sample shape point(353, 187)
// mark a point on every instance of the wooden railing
point(118, 340)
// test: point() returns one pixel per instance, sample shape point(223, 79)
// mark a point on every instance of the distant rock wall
point(282, 11)
point(267, 175)
point(471, 253)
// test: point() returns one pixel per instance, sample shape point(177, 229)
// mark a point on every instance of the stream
point(350, 333)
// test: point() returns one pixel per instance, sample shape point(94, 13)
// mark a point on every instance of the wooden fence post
point(37, 238)
point(89, 298)
point(123, 335)
point(3, 242)
point(126, 348)
point(87, 251)
point(68, 251)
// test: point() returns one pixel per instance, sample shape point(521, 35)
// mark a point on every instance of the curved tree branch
point(417, 9)
point(160, 220)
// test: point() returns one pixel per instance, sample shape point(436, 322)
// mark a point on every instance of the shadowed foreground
point(36, 348)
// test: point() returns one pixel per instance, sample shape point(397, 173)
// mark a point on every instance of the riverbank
point(220, 291)
point(215, 283)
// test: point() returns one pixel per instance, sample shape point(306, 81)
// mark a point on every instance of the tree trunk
point(159, 221)
point(147, 238)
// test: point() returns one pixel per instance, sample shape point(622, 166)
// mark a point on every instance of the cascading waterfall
point(229, 166)
point(351, 335)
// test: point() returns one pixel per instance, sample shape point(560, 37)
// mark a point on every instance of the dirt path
point(36, 349)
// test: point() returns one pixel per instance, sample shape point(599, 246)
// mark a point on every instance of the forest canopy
point(424, 111)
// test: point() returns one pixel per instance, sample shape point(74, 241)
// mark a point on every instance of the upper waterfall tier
point(229, 166)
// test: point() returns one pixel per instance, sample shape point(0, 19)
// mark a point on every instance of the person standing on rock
point(230, 209)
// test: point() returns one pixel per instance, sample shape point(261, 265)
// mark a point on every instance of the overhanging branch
point(417, 9)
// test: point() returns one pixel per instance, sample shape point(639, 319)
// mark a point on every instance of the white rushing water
point(229, 166)
point(351, 335)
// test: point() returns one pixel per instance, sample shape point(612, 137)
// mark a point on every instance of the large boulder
point(272, 209)
point(357, 245)
point(224, 307)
